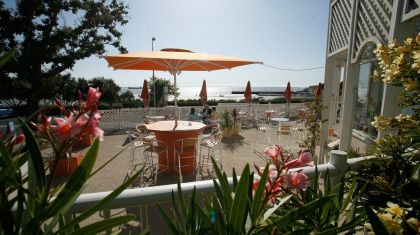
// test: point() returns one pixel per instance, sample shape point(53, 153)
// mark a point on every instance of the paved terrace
point(237, 151)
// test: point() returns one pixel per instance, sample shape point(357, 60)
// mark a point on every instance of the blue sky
point(282, 33)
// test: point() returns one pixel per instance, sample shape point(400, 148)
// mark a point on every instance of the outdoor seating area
point(169, 153)
point(138, 117)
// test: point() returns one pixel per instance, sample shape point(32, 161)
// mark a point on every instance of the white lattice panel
point(411, 9)
point(373, 21)
point(109, 119)
point(128, 118)
point(339, 25)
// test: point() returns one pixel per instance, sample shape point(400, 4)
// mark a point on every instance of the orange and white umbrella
point(288, 93)
point(203, 93)
point(145, 94)
point(318, 93)
point(248, 93)
point(174, 61)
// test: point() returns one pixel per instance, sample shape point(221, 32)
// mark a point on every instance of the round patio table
point(280, 119)
point(167, 132)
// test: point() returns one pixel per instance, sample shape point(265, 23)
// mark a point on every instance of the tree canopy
point(108, 88)
point(49, 37)
point(160, 83)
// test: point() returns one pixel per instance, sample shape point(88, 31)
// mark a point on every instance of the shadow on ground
point(233, 143)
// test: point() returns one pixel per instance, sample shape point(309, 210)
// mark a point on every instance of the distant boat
point(134, 87)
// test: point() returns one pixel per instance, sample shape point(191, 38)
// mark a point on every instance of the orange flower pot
point(66, 166)
point(83, 142)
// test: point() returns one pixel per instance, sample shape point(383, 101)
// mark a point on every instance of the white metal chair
point(156, 159)
point(208, 150)
point(263, 127)
point(185, 151)
point(136, 144)
point(142, 129)
point(284, 130)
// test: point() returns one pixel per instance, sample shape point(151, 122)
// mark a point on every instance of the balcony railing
point(144, 197)
point(118, 119)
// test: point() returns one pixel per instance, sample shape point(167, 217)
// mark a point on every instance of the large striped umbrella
point(174, 61)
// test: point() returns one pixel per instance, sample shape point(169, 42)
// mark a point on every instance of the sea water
point(215, 92)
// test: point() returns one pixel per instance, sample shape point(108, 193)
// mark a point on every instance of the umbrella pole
point(175, 103)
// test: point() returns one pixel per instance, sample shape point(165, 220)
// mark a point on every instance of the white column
point(351, 76)
point(348, 105)
point(334, 97)
point(330, 72)
point(390, 107)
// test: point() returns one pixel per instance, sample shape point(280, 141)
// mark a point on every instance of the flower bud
point(19, 139)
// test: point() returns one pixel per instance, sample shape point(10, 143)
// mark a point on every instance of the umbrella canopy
point(174, 61)
point(318, 91)
point(248, 94)
point(203, 93)
point(288, 93)
point(145, 94)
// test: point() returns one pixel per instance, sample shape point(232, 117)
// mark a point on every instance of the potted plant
point(394, 184)
point(77, 128)
point(229, 124)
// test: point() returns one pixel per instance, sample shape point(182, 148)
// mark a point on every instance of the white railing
point(142, 197)
point(118, 119)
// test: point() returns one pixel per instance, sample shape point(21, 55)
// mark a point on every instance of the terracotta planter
point(66, 166)
point(228, 132)
point(84, 142)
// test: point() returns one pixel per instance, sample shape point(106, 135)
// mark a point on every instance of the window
point(368, 99)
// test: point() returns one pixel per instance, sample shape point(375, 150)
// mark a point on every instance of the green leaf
point(300, 231)
point(75, 183)
point(98, 206)
point(377, 225)
point(36, 172)
point(223, 183)
point(234, 178)
point(103, 225)
point(239, 211)
point(177, 212)
point(182, 201)
point(257, 204)
point(168, 220)
point(301, 212)
point(191, 212)
point(270, 211)
point(4, 58)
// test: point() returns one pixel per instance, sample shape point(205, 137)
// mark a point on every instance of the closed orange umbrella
point(203, 93)
point(248, 94)
point(174, 61)
point(318, 91)
point(288, 93)
point(145, 94)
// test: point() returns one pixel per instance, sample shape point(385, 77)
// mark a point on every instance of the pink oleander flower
point(66, 128)
point(46, 121)
point(296, 181)
point(304, 159)
point(92, 127)
point(92, 98)
point(273, 187)
point(274, 151)
point(272, 171)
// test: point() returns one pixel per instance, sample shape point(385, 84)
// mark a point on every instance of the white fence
point(142, 197)
point(117, 119)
